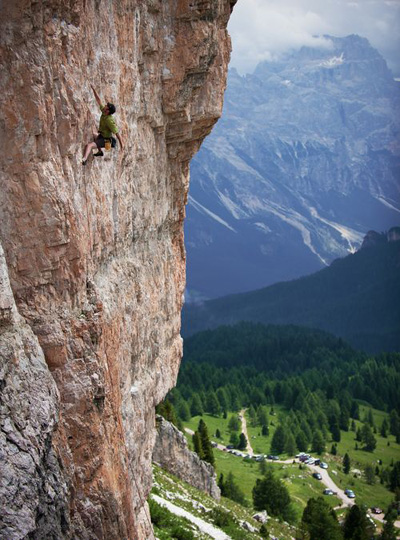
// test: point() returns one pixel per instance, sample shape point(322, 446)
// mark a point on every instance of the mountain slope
point(356, 298)
point(304, 161)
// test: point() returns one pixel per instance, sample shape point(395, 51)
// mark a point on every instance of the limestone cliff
point(93, 272)
point(171, 452)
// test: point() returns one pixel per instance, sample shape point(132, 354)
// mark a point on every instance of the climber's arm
point(120, 141)
point(96, 95)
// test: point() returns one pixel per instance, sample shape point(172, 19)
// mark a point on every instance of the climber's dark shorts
point(101, 141)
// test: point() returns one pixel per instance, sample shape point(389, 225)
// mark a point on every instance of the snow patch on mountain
point(202, 209)
point(387, 203)
point(353, 238)
point(223, 150)
point(292, 218)
point(233, 208)
point(333, 62)
point(262, 227)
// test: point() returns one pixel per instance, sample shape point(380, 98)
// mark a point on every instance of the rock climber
point(107, 128)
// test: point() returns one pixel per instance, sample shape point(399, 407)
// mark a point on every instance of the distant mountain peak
point(303, 162)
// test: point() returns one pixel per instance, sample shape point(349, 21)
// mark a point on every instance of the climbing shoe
point(84, 161)
point(98, 154)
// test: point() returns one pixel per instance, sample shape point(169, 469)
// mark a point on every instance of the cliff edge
point(93, 270)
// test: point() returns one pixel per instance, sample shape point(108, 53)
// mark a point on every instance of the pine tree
point(389, 531)
point(234, 439)
point(320, 521)
point(272, 495)
point(222, 397)
point(196, 406)
point(344, 419)
point(318, 443)
point(346, 463)
point(394, 420)
point(212, 404)
point(395, 477)
point(262, 416)
point(242, 442)
point(234, 423)
point(290, 445)
point(301, 442)
point(335, 430)
point(278, 440)
point(232, 490)
point(221, 484)
point(252, 415)
point(367, 438)
point(183, 410)
point(355, 410)
point(206, 443)
point(369, 474)
point(384, 428)
point(197, 444)
point(356, 525)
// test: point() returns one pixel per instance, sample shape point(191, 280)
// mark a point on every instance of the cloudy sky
point(264, 29)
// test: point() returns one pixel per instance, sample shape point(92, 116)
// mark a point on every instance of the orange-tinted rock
point(95, 254)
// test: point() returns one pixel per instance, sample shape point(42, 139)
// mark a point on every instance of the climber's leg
point(100, 143)
point(89, 147)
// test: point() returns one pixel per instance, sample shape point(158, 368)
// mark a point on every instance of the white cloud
point(264, 29)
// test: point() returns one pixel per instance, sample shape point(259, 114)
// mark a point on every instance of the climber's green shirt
point(107, 125)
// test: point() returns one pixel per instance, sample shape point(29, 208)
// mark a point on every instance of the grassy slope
point(182, 494)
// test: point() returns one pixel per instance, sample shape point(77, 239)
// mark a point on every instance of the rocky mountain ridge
point(93, 273)
point(304, 161)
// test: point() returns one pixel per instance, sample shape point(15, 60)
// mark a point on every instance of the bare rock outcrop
point(93, 272)
point(171, 452)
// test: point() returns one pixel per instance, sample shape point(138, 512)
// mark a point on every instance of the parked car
point(350, 493)
point(317, 462)
point(317, 476)
point(328, 492)
point(214, 444)
point(229, 447)
point(323, 465)
point(376, 510)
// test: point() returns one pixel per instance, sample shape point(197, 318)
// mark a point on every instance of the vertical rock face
point(171, 452)
point(93, 271)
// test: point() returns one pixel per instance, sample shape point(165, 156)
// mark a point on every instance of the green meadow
point(302, 486)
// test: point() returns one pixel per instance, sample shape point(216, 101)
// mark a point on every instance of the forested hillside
point(260, 364)
point(356, 298)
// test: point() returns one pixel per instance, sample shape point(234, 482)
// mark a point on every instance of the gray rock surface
point(171, 452)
